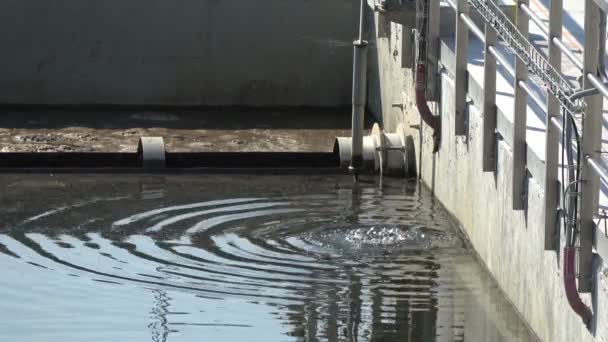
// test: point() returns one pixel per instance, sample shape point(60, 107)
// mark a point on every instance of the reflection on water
point(252, 258)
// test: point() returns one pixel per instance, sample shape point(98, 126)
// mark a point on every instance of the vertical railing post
point(461, 76)
point(590, 147)
point(489, 101)
point(432, 55)
point(519, 118)
point(552, 135)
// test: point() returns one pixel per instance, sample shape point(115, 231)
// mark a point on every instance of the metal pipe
point(359, 95)
point(598, 84)
point(597, 168)
point(545, 30)
point(586, 92)
point(570, 285)
point(524, 86)
point(499, 57)
point(566, 51)
point(476, 30)
point(535, 18)
point(555, 121)
point(478, 33)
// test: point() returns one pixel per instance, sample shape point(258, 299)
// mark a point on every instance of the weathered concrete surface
point(509, 242)
point(184, 130)
point(195, 52)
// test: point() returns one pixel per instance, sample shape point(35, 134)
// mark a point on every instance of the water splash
point(322, 260)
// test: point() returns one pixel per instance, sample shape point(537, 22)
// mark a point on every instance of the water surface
point(238, 258)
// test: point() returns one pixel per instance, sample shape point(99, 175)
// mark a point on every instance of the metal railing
point(545, 72)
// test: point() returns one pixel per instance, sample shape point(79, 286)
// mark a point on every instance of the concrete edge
point(504, 127)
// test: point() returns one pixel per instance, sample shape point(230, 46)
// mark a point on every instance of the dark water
point(238, 258)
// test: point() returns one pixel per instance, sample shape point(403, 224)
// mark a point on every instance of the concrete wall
point(509, 242)
point(187, 52)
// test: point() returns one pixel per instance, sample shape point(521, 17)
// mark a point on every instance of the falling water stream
point(238, 258)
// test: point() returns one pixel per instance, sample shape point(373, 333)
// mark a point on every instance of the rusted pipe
point(423, 107)
point(420, 88)
point(570, 286)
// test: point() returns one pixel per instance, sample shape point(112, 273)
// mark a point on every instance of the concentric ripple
point(346, 261)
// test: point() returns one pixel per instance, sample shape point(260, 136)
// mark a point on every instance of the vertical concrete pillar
point(590, 147)
point(462, 46)
point(489, 101)
point(520, 118)
point(552, 135)
point(432, 47)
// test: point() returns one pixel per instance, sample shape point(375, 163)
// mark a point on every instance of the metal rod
point(497, 55)
point(558, 125)
point(517, 41)
point(584, 93)
point(524, 86)
point(461, 76)
point(597, 84)
point(469, 23)
point(359, 95)
point(535, 19)
point(588, 92)
point(520, 111)
point(476, 30)
point(492, 49)
point(566, 50)
point(597, 168)
point(362, 18)
point(501, 58)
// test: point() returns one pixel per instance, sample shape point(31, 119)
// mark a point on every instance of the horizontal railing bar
point(557, 124)
point(451, 3)
point(566, 51)
point(597, 168)
point(479, 33)
point(538, 21)
point(476, 30)
point(501, 58)
point(545, 30)
point(535, 18)
point(523, 85)
point(598, 84)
